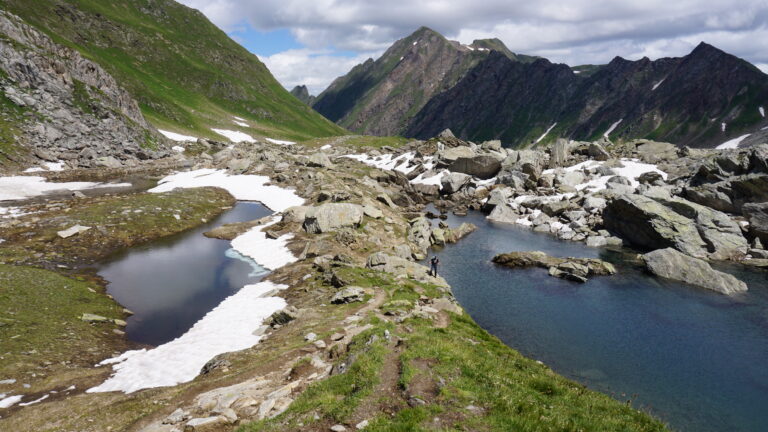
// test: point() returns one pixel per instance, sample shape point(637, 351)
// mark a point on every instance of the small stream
point(694, 358)
point(172, 282)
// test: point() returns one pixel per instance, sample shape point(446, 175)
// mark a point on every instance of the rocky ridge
point(63, 107)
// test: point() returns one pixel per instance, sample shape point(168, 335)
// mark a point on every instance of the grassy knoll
point(447, 374)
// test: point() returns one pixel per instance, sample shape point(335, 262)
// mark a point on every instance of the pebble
point(338, 428)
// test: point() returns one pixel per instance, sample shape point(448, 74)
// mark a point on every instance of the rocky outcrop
point(332, 216)
point(671, 264)
point(757, 215)
point(74, 110)
point(575, 269)
point(688, 227)
point(482, 166)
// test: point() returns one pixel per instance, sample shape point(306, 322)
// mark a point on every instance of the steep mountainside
point(380, 97)
point(186, 74)
point(58, 106)
point(301, 93)
point(700, 100)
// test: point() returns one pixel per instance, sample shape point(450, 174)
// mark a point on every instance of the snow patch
point(23, 187)
point(242, 187)
point(42, 398)
point(655, 86)
point(547, 132)
point(267, 252)
point(388, 161)
point(280, 142)
point(632, 169)
point(10, 401)
point(613, 126)
point(47, 166)
point(173, 136)
point(240, 123)
point(762, 111)
point(723, 126)
point(178, 149)
point(235, 136)
point(230, 326)
point(325, 147)
point(732, 144)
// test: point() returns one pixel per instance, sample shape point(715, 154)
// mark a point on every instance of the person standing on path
point(433, 266)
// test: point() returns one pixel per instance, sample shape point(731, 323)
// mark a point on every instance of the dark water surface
point(696, 359)
point(173, 282)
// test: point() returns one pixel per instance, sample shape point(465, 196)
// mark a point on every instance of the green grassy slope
point(186, 74)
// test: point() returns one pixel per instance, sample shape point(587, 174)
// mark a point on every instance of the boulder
point(671, 264)
point(481, 166)
point(349, 294)
point(570, 270)
point(446, 133)
point(594, 204)
point(571, 266)
point(597, 152)
point(73, 230)
point(556, 208)
point(420, 233)
point(688, 227)
point(332, 216)
point(453, 235)
point(504, 213)
point(560, 153)
point(757, 215)
point(453, 182)
point(570, 178)
point(498, 196)
point(319, 160)
point(402, 267)
point(451, 154)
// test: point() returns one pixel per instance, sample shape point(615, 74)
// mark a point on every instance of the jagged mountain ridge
point(379, 97)
point(186, 74)
point(682, 100)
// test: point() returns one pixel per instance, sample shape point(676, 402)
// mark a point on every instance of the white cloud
point(314, 68)
point(573, 32)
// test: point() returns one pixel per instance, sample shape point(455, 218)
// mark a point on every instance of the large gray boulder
point(453, 182)
point(319, 160)
point(688, 227)
point(757, 214)
point(481, 166)
point(498, 196)
point(597, 152)
point(420, 233)
point(451, 154)
point(671, 264)
point(332, 216)
point(504, 213)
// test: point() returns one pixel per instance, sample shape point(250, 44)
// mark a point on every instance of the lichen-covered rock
point(671, 264)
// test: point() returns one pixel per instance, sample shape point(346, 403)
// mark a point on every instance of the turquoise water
point(173, 282)
point(693, 358)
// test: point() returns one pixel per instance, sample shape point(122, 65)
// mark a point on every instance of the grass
point(40, 325)
point(117, 222)
point(184, 80)
point(480, 383)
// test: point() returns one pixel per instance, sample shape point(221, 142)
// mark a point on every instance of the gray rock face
point(671, 264)
point(453, 182)
point(757, 214)
point(81, 114)
point(690, 228)
point(332, 216)
point(504, 214)
point(498, 196)
point(449, 155)
point(480, 166)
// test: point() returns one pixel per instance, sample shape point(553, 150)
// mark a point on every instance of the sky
point(314, 41)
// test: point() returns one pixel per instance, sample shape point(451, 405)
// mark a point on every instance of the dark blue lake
point(171, 283)
point(693, 358)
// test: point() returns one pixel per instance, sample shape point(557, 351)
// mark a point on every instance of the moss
point(40, 321)
point(117, 222)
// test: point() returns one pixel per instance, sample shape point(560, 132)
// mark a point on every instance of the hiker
point(433, 266)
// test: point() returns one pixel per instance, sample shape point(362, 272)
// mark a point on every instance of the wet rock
point(559, 267)
point(671, 264)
